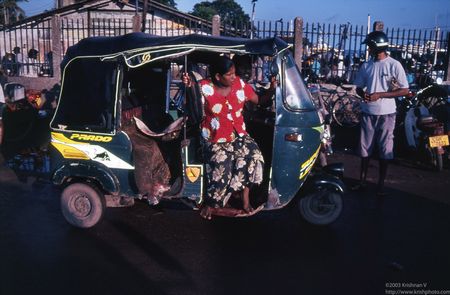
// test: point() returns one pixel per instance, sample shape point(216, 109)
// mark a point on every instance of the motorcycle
point(25, 133)
point(125, 124)
point(426, 124)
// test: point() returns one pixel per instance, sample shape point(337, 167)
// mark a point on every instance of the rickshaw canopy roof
point(135, 42)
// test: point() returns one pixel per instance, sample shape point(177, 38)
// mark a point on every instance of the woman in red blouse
point(233, 159)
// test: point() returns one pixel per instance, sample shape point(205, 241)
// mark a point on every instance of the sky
point(404, 14)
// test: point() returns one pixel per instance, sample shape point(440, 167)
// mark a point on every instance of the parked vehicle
point(324, 112)
point(26, 132)
point(122, 125)
point(426, 123)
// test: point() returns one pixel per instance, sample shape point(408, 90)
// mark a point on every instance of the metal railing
point(334, 52)
point(177, 27)
point(26, 50)
point(74, 30)
point(331, 52)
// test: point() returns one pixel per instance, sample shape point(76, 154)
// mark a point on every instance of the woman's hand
point(273, 83)
point(186, 80)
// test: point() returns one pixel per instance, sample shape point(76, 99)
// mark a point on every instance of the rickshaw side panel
point(94, 160)
point(292, 161)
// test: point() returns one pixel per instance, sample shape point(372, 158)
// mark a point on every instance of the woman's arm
point(266, 97)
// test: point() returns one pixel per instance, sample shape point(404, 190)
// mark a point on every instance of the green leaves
point(170, 3)
point(229, 11)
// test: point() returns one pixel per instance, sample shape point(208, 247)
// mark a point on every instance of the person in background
point(379, 81)
point(3, 78)
point(18, 67)
point(8, 62)
point(32, 67)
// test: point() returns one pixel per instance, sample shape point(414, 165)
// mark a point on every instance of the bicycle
point(343, 105)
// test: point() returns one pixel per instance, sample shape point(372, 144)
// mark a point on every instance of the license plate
point(439, 140)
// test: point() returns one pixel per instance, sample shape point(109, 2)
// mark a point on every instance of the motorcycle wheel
point(82, 205)
point(320, 207)
point(437, 159)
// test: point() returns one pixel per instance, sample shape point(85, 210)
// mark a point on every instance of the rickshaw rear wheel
point(321, 207)
point(82, 205)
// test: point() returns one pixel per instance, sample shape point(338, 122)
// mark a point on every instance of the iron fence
point(177, 27)
point(334, 53)
point(26, 49)
point(259, 29)
point(73, 30)
point(331, 52)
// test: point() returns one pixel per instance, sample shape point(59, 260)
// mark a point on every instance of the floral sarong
point(230, 167)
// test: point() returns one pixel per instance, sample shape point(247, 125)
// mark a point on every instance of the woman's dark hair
point(243, 65)
point(220, 65)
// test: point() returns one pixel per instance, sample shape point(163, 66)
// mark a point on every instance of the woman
point(233, 160)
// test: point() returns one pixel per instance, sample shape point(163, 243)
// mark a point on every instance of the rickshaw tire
point(309, 207)
point(82, 205)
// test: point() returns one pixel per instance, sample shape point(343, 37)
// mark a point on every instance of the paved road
point(403, 238)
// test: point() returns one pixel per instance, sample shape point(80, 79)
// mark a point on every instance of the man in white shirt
point(379, 81)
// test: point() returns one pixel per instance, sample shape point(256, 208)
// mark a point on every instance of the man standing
point(379, 81)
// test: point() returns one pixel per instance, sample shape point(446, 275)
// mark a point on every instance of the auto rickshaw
point(126, 127)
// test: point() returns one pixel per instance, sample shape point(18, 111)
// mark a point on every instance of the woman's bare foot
point(249, 209)
point(246, 214)
point(206, 212)
point(246, 200)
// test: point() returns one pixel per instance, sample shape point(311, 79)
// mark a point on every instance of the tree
point(170, 3)
point(229, 11)
point(11, 12)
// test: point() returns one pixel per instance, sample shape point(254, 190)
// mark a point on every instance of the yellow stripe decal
point(69, 152)
point(308, 164)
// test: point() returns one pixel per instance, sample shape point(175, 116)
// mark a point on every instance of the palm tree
point(11, 12)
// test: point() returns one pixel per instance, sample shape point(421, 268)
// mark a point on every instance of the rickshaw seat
point(169, 133)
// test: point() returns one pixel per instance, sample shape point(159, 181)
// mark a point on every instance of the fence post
point(378, 26)
point(216, 25)
point(298, 41)
point(447, 70)
point(136, 19)
point(56, 46)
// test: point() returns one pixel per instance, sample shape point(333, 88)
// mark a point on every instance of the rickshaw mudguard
point(324, 181)
point(90, 171)
point(292, 161)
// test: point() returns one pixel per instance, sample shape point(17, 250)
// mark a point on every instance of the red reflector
point(296, 137)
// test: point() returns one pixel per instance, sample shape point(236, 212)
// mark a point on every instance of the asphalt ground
point(378, 245)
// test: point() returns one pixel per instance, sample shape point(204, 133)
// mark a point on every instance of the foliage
point(228, 10)
point(170, 3)
point(10, 11)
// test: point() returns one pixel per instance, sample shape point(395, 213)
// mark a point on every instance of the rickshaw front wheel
point(82, 205)
point(321, 207)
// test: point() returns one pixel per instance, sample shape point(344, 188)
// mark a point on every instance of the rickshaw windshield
point(87, 97)
point(296, 96)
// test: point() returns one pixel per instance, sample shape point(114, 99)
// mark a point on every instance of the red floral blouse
point(224, 114)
